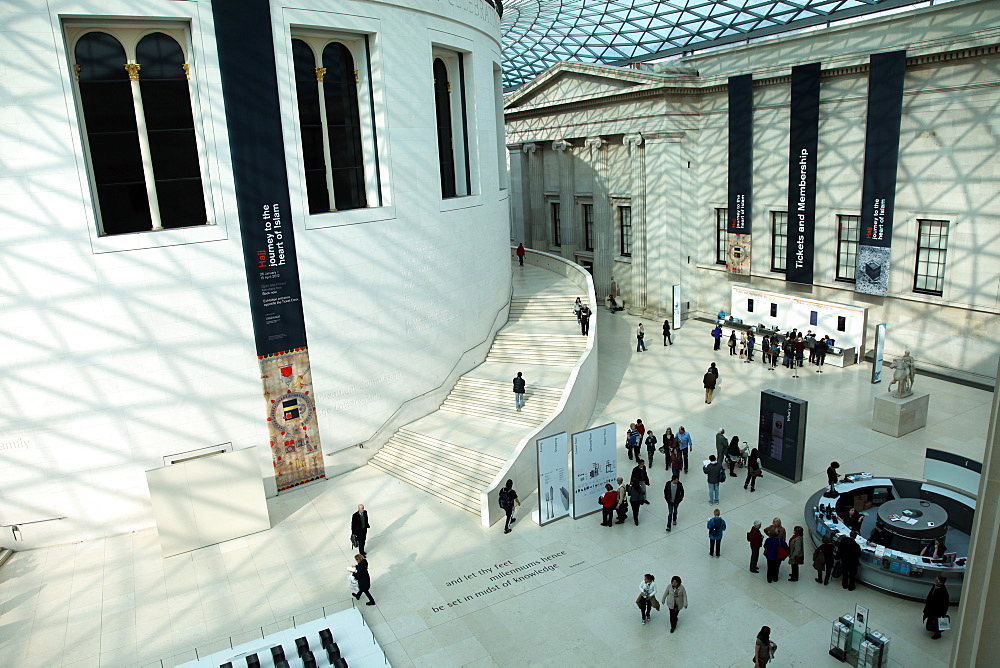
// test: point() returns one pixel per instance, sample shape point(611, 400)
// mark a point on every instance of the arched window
point(446, 148)
point(331, 129)
point(140, 133)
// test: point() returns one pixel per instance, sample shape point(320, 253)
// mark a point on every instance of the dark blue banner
point(803, 139)
point(740, 174)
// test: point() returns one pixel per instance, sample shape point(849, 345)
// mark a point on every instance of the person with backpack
point(716, 527)
point(508, 497)
point(650, 444)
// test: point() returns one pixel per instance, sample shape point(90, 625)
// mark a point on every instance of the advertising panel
point(782, 436)
point(878, 191)
point(553, 477)
point(803, 140)
point(738, 231)
point(595, 464)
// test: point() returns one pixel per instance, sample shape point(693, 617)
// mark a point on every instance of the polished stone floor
point(560, 595)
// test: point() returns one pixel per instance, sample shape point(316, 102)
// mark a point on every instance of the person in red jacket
point(520, 254)
point(608, 502)
point(756, 539)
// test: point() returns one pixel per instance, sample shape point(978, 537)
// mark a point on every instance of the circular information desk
point(914, 519)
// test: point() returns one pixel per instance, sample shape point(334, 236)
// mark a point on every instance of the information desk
point(899, 572)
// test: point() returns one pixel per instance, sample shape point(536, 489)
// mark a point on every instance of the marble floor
point(451, 593)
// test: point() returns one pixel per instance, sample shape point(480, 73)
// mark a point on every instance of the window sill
point(180, 236)
point(318, 221)
point(464, 202)
point(624, 258)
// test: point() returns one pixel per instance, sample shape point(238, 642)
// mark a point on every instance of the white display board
point(553, 477)
point(844, 324)
point(206, 501)
point(595, 464)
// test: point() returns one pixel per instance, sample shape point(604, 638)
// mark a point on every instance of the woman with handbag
point(936, 607)
point(796, 553)
point(753, 470)
point(675, 598)
point(775, 551)
point(763, 648)
point(647, 597)
point(363, 578)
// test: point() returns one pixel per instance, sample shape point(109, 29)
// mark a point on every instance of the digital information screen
point(782, 437)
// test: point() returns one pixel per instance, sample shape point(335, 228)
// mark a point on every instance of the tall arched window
point(140, 132)
point(446, 148)
point(331, 127)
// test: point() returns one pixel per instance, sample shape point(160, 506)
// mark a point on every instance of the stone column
point(603, 227)
point(567, 204)
point(976, 641)
point(518, 200)
point(535, 198)
point(667, 244)
point(637, 166)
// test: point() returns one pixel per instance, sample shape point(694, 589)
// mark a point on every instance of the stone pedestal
point(897, 416)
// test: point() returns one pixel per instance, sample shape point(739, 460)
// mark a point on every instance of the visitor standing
point(721, 444)
point(519, 386)
point(716, 474)
point(823, 560)
point(751, 341)
point(756, 539)
point(732, 343)
point(775, 550)
point(763, 648)
point(608, 502)
point(622, 501)
point(821, 350)
point(849, 553)
point(632, 441)
point(686, 445)
point(520, 254)
point(796, 553)
point(640, 334)
point(359, 528)
point(673, 494)
point(716, 527)
point(508, 497)
point(733, 453)
point(675, 598)
point(936, 606)
point(753, 470)
point(831, 476)
point(717, 335)
point(800, 347)
point(667, 341)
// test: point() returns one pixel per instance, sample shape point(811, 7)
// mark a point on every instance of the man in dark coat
point(518, 391)
point(936, 606)
point(585, 320)
point(709, 381)
point(673, 494)
point(359, 527)
point(849, 553)
point(756, 539)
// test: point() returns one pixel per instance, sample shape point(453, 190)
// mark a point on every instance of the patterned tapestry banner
point(803, 141)
point(740, 174)
point(878, 193)
point(254, 123)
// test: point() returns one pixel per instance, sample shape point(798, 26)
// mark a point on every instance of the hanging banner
point(553, 477)
point(740, 174)
point(878, 192)
point(258, 152)
point(879, 353)
point(803, 138)
point(595, 464)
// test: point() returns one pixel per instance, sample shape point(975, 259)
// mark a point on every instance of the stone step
point(519, 359)
point(430, 470)
point(450, 449)
point(521, 419)
point(467, 381)
point(478, 477)
point(503, 394)
point(532, 410)
point(442, 491)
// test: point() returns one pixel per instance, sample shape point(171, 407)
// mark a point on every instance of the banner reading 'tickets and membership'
point(803, 139)
point(740, 174)
point(878, 194)
point(258, 152)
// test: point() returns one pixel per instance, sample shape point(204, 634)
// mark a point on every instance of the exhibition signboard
point(595, 464)
point(740, 174)
point(782, 436)
point(803, 141)
point(878, 191)
point(553, 477)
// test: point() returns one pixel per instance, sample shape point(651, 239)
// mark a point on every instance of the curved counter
point(897, 571)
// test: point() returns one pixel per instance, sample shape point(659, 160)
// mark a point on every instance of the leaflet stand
point(852, 643)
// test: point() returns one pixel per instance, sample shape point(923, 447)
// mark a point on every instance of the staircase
point(448, 471)
point(547, 349)
point(550, 308)
point(494, 400)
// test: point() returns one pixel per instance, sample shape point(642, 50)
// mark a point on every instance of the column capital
point(633, 140)
point(529, 148)
point(561, 145)
point(595, 143)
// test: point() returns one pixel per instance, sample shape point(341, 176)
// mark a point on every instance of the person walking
point(585, 319)
point(642, 475)
point(775, 551)
point(733, 455)
point(936, 606)
point(359, 528)
point(667, 341)
point(632, 441)
point(823, 560)
point(673, 494)
point(756, 539)
point(849, 553)
point(608, 501)
point(640, 334)
point(636, 497)
point(753, 470)
point(796, 553)
point(732, 343)
point(364, 580)
point(675, 599)
point(622, 501)
point(647, 597)
point(716, 474)
point(721, 445)
point(717, 335)
point(650, 445)
point(686, 445)
point(716, 527)
point(666, 447)
point(676, 460)
point(520, 254)
point(508, 497)
point(577, 307)
point(641, 428)
point(763, 648)
point(519, 385)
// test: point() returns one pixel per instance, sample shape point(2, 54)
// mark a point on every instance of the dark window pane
point(442, 108)
point(311, 129)
point(175, 154)
point(182, 203)
point(343, 120)
point(161, 58)
point(124, 207)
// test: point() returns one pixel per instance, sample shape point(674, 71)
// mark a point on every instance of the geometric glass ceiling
point(536, 34)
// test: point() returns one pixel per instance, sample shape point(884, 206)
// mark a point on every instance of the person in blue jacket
point(716, 527)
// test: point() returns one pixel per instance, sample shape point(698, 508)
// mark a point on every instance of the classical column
point(519, 211)
point(637, 166)
point(567, 205)
point(977, 642)
point(535, 198)
point(667, 243)
point(603, 228)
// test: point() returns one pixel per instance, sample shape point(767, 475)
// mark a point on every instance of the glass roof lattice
point(536, 34)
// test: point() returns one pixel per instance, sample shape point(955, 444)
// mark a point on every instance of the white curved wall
point(120, 351)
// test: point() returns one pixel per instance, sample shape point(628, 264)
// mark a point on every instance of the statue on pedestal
point(904, 369)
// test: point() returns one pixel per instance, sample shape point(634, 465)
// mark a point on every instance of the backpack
point(504, 498)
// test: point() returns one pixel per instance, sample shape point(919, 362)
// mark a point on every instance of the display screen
point(782, 432)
